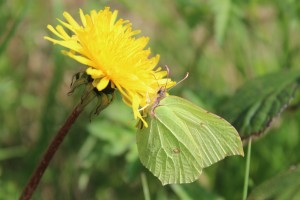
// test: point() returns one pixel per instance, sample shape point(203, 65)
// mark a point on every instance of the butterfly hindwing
point(182, 139)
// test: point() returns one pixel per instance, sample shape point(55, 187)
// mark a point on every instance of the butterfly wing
point(182, 139)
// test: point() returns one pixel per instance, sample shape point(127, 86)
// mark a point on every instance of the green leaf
point(182, 139)
point(255, 104)
point(118, 139)
point(281, 187)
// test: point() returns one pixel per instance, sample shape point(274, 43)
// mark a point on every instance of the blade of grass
point(145, 187)
point(245, 190)
point(12, 152)
point(48, 113)
point(180, 192)
point(11, 32)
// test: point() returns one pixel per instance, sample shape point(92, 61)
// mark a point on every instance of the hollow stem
point(52, 148)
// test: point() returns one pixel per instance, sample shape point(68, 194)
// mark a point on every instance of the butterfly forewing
point(182, 139)
point(168, 156)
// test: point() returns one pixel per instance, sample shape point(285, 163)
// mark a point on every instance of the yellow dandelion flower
point(113, 55)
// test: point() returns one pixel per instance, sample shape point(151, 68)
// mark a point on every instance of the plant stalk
point(52, 148)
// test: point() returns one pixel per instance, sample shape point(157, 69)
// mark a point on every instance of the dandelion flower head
point(114, 56)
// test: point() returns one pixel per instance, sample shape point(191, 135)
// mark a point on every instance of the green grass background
point(221, 44)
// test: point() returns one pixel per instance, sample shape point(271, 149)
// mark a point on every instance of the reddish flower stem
point(52, 148)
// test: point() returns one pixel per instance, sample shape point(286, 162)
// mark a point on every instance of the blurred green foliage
point(222, 45)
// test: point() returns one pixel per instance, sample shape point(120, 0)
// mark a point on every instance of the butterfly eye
point(161, 91)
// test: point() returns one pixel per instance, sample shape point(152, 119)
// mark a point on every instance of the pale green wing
point(183, 138)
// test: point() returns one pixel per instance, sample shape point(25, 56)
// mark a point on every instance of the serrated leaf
point(258, 101)
point(284, 186)
point(182, 139)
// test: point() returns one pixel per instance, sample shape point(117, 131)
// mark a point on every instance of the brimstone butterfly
point(182, 139)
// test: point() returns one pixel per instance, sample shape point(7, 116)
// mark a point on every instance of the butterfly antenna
point(168, 70)
point(168, 73)
point(163, 88)
point(155, 79)
point(185, 77)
